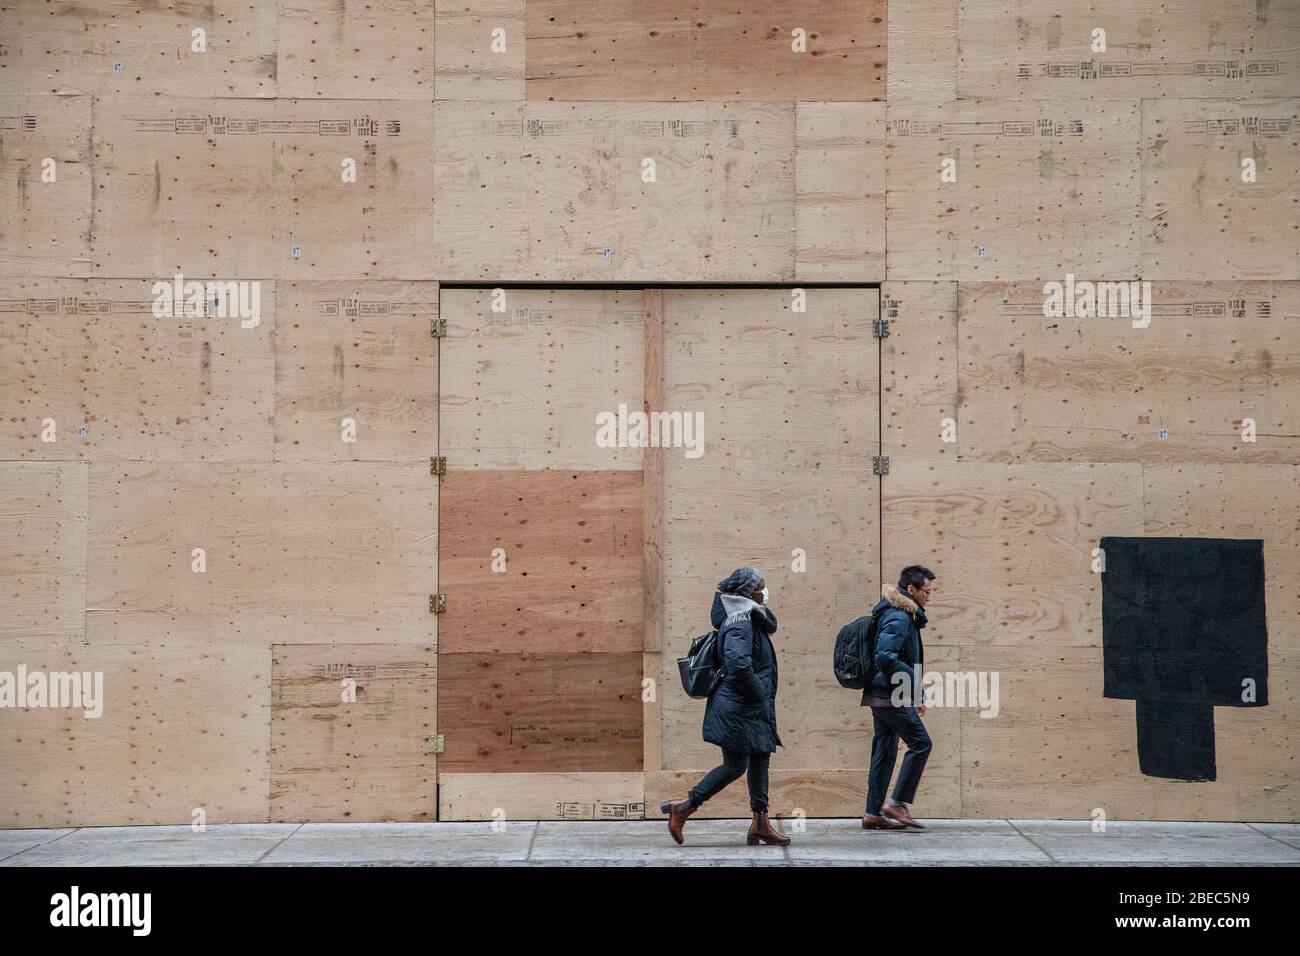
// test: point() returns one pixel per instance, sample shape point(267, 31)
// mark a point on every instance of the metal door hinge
point(880, 465)
point(437, 603)
point(437, 328)
point(437, 744)
point(438, 466)
point(880, 328)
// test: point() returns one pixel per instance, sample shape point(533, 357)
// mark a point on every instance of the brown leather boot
point(898, 812)
point(874, 821)
point(762, 829)
point(678, 811)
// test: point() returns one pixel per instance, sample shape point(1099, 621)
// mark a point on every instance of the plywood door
point(542, 555)
point(790, 403)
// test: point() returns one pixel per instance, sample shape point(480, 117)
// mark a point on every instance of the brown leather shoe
point(898, 812)
point(678, 811)
point(762, 829)
point(874, 821)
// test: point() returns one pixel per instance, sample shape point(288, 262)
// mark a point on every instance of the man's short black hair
point(915, 575)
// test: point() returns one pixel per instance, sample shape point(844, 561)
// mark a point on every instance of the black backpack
point(855, 653)
point(701, 668)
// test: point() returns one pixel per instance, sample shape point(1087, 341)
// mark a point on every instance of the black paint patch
point(1182, 626)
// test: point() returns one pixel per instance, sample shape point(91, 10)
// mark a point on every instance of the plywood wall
point(348, 158)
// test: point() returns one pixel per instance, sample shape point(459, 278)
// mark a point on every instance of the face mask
point(764, 595)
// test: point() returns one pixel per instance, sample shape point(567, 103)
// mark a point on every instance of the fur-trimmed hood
point(890, 596)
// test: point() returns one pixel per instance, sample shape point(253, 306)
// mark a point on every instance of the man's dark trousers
point(889, 724)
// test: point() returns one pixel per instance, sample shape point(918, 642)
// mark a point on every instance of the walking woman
point(740, 716)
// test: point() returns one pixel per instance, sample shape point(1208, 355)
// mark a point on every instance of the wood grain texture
point(522, 388)
point(343, 553)
point(230, 188)
point(839, 192)
point(554, 191)
point(1032, 760)
point(1180, 48)
point(918, 369)
point(46, 226)
point(383, 49)
point(75, 48)
point(43, 518)
point(535, 713)
point(541, 796)
point(359, 350)
point(467, 65)
point(1199, 220)
point(990, 531)
point(184, 727)
point(90, 353)
point(1041, 189)
point(365, 759)
point(705, 50)
point(653, 474)
point(923, 40)
point(1096, 389)
point(571, 572)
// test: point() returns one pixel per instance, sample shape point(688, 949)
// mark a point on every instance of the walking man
point(896, 699)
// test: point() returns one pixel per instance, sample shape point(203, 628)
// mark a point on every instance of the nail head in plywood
point(469, 63)
point(1199, 219)
point(47, 224)
point(1041, 189)
point(1094, 388)
point(521, 389)
point(358, 350)
point(255, 189)
point(90, 353)
point(317, 553)
point(364, 759)
point(572, 570)
point(918, 367)
point(43, 518)
point(184, 727)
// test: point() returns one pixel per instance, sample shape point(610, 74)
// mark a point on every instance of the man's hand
point(921, 710)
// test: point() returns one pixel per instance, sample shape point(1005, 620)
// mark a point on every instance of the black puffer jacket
point(741, 714)
point(899, 649)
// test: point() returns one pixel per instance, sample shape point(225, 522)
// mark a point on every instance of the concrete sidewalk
point(646, 843)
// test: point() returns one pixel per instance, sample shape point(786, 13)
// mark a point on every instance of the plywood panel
point(469, 64)
point(554, 191)
point(541, 796)
point(705, 50)
point(1199, 220)
point(125, 46)
point(184, 727)
point(570, 572)
point(790, 423)
point(839, 192)
point(358, 350)
point(522, 388)
point(91, 353)
point(552, 713)
point(1097, 389)
point(231, 188)
point(1033, 761)
point(1180, 48)
point(43, 561)
point(364, 759)
point(922, 52)
point(918, 367)
point(990, 533)
point(315, 554)
point(45, 228)
point(382, 49)
point(817, 793)
point(1041, 189)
